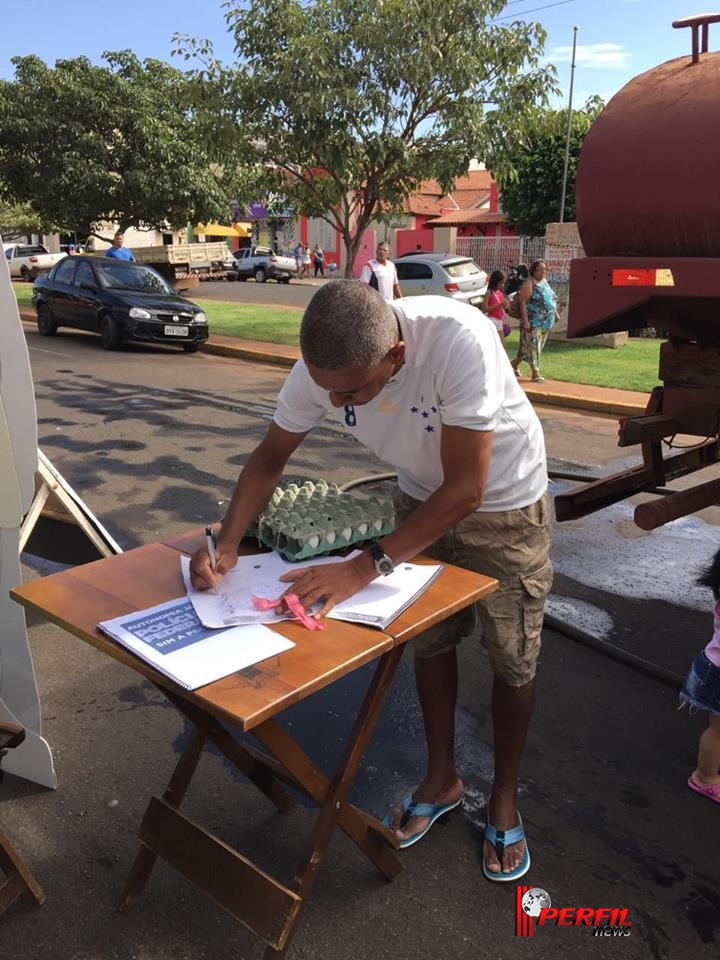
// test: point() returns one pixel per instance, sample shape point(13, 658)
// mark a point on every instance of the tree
point(347, 106)
point(530, 192)
point(17, 219)
point(84, 143)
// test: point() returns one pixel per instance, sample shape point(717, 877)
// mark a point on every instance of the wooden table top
point(78, 598)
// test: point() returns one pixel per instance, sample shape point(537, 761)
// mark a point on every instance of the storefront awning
point(220, 230)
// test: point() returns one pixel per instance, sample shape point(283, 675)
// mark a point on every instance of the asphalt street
point(297, 293)
point(153, 440)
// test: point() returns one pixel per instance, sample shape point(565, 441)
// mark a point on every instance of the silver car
point(441, 274)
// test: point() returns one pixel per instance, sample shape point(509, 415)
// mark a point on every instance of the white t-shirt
point(385, 274)
point(456, 372)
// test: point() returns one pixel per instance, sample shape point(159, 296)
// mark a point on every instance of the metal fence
point(501, 253)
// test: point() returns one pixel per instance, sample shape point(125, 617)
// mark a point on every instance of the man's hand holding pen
point(211, 562)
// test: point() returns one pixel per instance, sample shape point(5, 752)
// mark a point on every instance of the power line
point(521, 13)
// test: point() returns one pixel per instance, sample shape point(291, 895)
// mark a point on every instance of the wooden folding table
point(78, 598)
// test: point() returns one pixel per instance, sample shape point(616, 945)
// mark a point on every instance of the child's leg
point(708, 766)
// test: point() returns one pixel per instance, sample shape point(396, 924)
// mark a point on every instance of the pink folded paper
point(294, 606)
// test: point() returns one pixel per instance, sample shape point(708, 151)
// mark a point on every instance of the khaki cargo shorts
point(513, 546)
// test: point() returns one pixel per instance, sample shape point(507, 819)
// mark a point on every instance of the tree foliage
point(347, 106)
point(18, 219)
point(84, 143)
point(531, 191)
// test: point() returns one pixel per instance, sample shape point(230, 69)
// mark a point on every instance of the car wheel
point(260, 275)
point(109, 333)
point(46, 324)
point(26, 275)
point(285, 280)
point(191, 347)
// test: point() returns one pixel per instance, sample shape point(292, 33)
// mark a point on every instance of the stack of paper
point(172, 639)
point(376, 605)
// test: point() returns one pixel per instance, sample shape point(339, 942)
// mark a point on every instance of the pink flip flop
point(712, 793)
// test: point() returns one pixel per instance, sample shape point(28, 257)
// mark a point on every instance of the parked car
point(263, 264)
point(29, 260)
point(119, 300)
point(441, 274)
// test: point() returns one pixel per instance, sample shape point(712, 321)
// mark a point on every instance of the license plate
point(173, 331)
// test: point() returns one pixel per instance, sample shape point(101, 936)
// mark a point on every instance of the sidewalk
point(621, 403)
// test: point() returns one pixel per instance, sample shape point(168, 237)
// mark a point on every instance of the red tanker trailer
point(648, 213)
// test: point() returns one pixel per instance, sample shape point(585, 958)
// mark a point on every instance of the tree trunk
point(352, 245)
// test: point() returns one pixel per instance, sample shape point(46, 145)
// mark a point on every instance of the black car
point(119, 300)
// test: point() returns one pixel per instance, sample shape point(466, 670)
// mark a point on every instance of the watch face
point(384, 565)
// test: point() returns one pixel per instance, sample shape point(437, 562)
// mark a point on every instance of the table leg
point(259, 774)
point(333, 803)
point(176, 790)
point(19, 878)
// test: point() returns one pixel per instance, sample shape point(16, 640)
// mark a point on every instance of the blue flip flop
point(412, 809)
point(501, 839)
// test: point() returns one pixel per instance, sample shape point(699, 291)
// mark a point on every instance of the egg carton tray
point(318, 518)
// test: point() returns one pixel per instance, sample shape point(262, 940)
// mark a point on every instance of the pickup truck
point(179, 262)
point(28, 260)
point(263, 264)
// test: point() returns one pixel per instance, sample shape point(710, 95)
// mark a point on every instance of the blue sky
point(617, 39)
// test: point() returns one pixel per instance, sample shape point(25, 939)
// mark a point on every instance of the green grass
point(632, 366)
point(23, 292)
point(253, 322)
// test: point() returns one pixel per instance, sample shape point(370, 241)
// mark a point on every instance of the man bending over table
point(425, 384)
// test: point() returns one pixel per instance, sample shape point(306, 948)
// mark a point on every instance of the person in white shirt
point(380, 273)
point(425, 384)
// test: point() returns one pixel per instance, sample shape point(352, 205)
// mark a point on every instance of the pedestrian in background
point(118, 251)
point(381, 275)
point(538, 313)
point(307, 260)
point(492, 304)
point(319, 260)
point(701, 691)
point(299, 253)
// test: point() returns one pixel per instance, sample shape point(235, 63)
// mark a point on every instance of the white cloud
point(602, 56)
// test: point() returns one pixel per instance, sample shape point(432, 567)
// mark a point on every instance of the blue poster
point(169, 630)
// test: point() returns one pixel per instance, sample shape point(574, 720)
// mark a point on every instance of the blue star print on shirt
point(425, 414)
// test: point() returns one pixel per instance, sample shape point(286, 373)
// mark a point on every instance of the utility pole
point(569, 126)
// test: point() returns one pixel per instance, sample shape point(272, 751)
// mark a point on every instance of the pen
point(211, 541)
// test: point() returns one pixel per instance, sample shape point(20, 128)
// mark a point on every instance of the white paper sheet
point(231, 602)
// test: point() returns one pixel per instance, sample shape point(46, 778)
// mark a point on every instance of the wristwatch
point(383, 563)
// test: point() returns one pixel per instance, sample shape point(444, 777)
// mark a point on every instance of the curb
point(539, 395)
point(616, 408)
point(246, 353)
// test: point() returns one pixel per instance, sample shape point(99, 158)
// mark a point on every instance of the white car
point(441, 274)
point(29, 260)
point(263, 264)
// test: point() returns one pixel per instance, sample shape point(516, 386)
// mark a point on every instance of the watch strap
point(376, 551)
